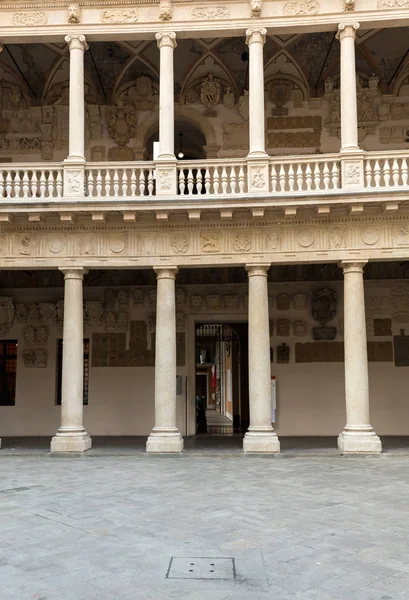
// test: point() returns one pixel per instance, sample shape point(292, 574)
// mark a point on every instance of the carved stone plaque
point(324, 305)
point(319, 352)
point(324, 333)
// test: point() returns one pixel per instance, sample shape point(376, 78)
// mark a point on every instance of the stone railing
point(36, 180)
point(281, 177)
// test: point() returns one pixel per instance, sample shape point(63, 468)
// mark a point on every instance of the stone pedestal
point(165, 436)
point(260, 437)
point(358, 435)
point(71, 436)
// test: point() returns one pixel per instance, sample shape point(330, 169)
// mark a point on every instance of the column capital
point(259, 270)
point(356, 266)
point(256, 35)
point(347, 30)
point(165, 272)
point(73, 272)
point(166, 39)
point(76, 42)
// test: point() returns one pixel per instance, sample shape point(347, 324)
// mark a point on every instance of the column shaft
point(71, 436)
point(77, 45)
point(349, 112)
point(165, 436)
point(260, 436)
point(358, 435)
point(255, 39)
point(166, 45)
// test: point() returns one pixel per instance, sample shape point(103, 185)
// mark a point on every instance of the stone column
point(165, 436)
point(71, 436)
point(166, 45)
point(260, 436)
point(349, 113)
point(77, 45)
point(358, 435)
point(255, 39)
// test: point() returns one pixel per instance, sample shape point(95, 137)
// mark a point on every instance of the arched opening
point(190, 141)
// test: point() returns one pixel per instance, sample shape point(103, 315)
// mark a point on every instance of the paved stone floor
point(106, 527)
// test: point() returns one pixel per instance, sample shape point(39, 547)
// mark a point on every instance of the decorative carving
point(6, 314)
point(305, 238)
point(21, 313)
point(180, 320)
point(337, 238)
point(138, 296)
point(121, 121)
point(382, 327)
point(349, 5)
point(210, 91)
point(34, 335)
point(324, 305)
point(258, 180)
point(213, 301)
point(283, 301)
point(210, 242)
point(380, 351)
point(152, 296)
point(229, 99)
point(30, 18)
point(94, 313)
point(120, 16)
point(382, 4)
point(116, 243)
point(179, 243)
point(370, 235)
point(283, 327)
point(181, 297)
point(300, 328)
point(283, 354)
point(165, 10)
point(147, 244)
point(35, 358)
point(231, 302)
point(273, 240)
point(300, 7)
point(74, 13)
point(242, 242)
point(256, 6)
point(244, 105)
point(211, 12)
point(300, 301)
point(196, 302)
point(48, 313)
point(110, 322)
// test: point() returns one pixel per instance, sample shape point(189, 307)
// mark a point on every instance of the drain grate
point(201, 568)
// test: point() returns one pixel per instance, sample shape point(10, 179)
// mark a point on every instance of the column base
point(63, 442)
point(261, 442)
point(359, 443)
point(164, 442)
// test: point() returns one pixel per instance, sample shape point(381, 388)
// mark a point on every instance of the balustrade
point(387, 170)
point(212, 178)
point(125, 180)
point(304, 174)
point(31, 181)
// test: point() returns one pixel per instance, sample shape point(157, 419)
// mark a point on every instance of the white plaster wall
point(310, 397)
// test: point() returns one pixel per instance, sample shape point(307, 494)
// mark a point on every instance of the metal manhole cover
point(201, 568)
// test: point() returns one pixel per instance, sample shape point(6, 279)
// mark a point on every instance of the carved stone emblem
point(283, 301)
point(94, 313)
point(324, 305)
point(305, 238)
point(229, 99)
point(211, 12)
point(242, 242)
point(196, 302)
point(30, 18)
point(121, 121)
point(210, 242)
point(35, 358)
point(300, 328)
point(138, 297)
point(180, 243)
point(300, 301)
point(210, 91)
point(117, 243)
point(283, 327)
point(165, 10)
point(213, 301)
point(309, 7)
point(273, 240)
point(48, 313)
point(283, 354)
point(120, 16)
point(370, 235)
point(147, 244)
point(6, 314)
point(74, 13)
point(57, 243)
point(255, 6)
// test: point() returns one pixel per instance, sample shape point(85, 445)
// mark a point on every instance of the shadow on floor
point(199, 445)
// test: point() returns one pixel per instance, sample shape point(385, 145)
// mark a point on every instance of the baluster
point(26, 184)
point(300, 178)
point(99, 183)
point(142, 183)
point(190, 181)
point(150, 182)
point(9, 184)
point(124, 183)
point(17, 185)
point(224, 180)
point(326, 176)
point(335, 175)
point(308, 177)
point(59, 183)
point(42, 184)
point(90, 181)
point(133, 183)
point(34, 184)
point(377, 174)
point(404, 172)
point(1, 184)
point(208, 181)
point(107, 183)
point(368, 173)
point(181, 182)
point(387, 173)
point(291, 179)
point(274, 179)
point(50, 184)
point(282, 179)
point(116, 183)
point(216, 180)
point(395, 173)
point(233, 180)
point(317, 176)
point(202, 181)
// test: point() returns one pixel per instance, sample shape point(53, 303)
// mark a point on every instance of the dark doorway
point(222, 395)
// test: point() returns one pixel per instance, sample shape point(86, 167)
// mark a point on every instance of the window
point(86, 372)
point(8, 372)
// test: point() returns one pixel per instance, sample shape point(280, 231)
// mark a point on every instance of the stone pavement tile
point(396, 585)
point(349, 583)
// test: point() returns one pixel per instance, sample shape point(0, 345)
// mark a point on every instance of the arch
point(186, 113)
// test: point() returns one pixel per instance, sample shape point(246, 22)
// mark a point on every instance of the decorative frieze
point(301, 7)
point(28, 19)
point(211, 12)
point(120, 16)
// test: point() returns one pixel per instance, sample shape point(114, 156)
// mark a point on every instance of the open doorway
point(222, 398)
